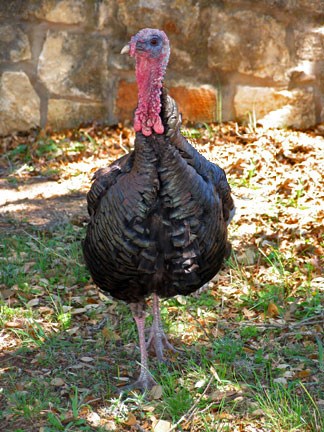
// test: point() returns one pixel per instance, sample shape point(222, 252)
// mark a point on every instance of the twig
point(305, 333)
point(201, 326)
point(191, 411)
point(304, 322)
point(121, 144)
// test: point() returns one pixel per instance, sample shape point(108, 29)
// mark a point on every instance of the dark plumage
point(159, 215)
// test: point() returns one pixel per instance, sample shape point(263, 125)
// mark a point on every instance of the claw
point(158, 340)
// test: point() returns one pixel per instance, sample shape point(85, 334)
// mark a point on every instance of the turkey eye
point(154, 42)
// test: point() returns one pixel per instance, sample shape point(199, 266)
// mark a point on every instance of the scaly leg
point(145, 381)
point(157, 338)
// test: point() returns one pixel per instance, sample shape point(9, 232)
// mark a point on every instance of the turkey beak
point(125, 50)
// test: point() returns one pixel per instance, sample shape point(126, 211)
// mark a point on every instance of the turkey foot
point(157, 339)
point(145, 381)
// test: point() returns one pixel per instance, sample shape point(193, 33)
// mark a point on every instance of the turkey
point(158, 215)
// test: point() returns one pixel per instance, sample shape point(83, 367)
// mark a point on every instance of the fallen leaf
point(131, 420)
point(73, 330)
point(7, 293)
point(57, 382)
point(283, 366)
point(280, 380)
point(87, 359)
point(273, 310)
point(109, 426)
point(28, 266)
point(302, 374)
point(161, 426)
point(248, 257)
point(248, 313)
point(78, 311)
point(156, 392)
point(33, 302)
point(94, 419)
point(258, 413)
point(15, 324)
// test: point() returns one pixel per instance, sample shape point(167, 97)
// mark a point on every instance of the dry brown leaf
point(273, 310)
point(131, 420)
point(15, 324)
point(248, 313)
point(218, 396)
point(7, 293)
point(302, 374)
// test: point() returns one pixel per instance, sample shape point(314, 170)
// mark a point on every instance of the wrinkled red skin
point(149, 75)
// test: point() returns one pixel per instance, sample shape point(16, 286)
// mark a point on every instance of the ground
point(253, 355)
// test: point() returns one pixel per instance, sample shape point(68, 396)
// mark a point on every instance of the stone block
point(300, 8)
point(9, 9)
point(310, 43)
point(73, 64)
point(126, 100)
point(63, 11)
point(162, 14)
point(14, 44)
point(19, 103)
point(63, 113)
point(248, 42)
point(275, 108)
point(196, 104)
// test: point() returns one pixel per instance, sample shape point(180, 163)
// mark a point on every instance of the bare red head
point(151, 50)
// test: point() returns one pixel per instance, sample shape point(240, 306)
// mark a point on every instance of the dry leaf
point(248, 257)
point(57, 382)
point(28, 266)
point(7, 293)
point(78, 311)
point(156, 392)
point(280, 380)
point(248, 313)
point(73, 330)
point(273, 310)
point(15, 324)
point(87, 359)
point(161, 426)
point(258, 413)
point(131, 420)
point(302, 374)
point(94, 419)
point(33, 302)
point(109, 426)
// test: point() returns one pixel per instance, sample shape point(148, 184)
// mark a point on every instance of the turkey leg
point(145, 381)
point(157, 338)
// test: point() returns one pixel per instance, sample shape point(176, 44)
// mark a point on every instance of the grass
point(253, 357)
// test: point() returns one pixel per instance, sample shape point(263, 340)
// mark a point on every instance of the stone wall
point(60, 62)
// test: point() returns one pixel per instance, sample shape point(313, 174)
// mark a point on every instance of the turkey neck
point(149, 76)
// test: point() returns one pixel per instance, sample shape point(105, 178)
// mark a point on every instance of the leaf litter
point(266, 303)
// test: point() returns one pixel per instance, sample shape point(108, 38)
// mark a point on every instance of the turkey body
point(159, 217)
